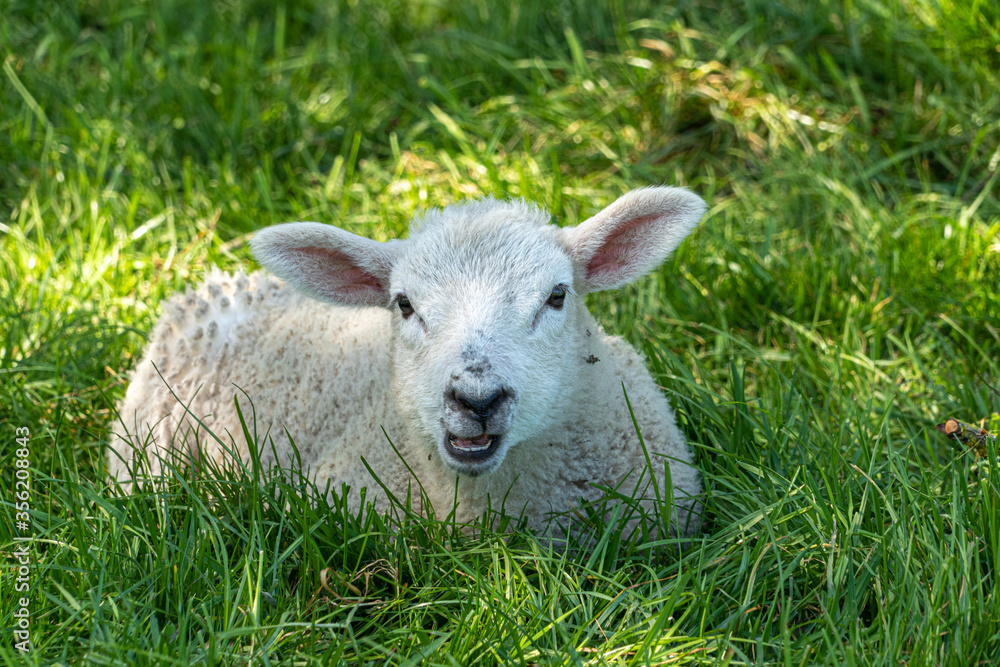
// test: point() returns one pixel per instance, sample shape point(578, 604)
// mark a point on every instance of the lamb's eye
point(405, 309)
point(557, 297)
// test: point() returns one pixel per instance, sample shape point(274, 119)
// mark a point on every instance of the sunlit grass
point(841, 297)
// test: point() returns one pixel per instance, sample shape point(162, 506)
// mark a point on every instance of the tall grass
point(841, 297)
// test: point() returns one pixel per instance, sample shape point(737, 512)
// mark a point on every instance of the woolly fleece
point(334, 376)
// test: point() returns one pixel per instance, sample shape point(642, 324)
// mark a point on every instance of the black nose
point(483, 407)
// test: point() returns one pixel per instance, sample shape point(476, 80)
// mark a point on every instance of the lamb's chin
point(473, 456)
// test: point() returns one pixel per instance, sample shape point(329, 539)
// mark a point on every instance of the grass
point(841, 297)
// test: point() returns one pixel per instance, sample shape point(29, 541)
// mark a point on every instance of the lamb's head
point(487, 306)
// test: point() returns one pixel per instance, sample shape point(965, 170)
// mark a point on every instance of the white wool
point(486, 356)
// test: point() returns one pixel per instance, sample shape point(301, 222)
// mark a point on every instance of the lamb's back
point(298, 367)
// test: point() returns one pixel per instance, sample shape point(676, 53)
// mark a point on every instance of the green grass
point(841, 297)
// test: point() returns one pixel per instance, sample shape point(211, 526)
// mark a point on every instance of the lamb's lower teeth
point(470, 447)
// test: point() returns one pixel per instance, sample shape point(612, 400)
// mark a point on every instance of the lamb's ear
point(632, 236)
point(327, 263)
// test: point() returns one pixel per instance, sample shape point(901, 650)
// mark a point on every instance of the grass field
point(841, 297)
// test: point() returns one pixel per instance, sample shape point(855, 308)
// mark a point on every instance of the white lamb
point(469, 343)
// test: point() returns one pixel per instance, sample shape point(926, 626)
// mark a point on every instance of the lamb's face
point(484, 313)
point(486, 297)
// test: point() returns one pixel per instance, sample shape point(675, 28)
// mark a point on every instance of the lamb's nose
point(482, 406)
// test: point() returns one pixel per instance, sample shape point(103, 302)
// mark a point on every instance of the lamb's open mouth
point(472, 450)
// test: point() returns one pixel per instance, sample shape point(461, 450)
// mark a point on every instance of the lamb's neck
point(596, 373)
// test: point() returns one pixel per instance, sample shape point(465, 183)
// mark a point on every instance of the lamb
point(469, 343)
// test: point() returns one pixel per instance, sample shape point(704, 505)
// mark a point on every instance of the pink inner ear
point(620, 250)
point(353, 279)
point(337, 274)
